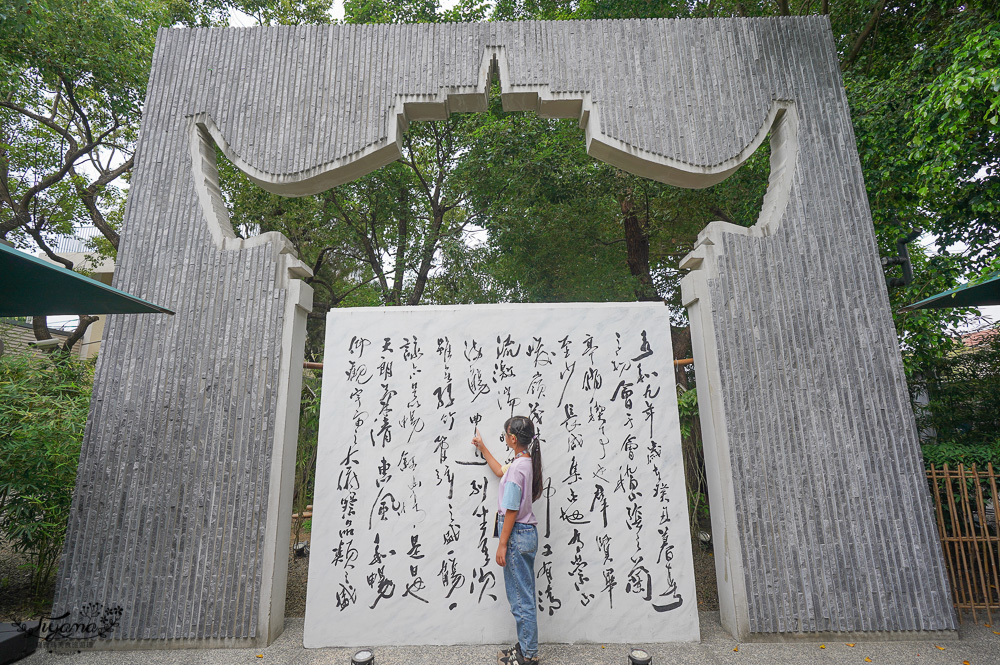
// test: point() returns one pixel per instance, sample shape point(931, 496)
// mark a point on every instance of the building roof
point(980, 336)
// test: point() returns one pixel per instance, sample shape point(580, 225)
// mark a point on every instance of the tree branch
point(402, 237)
point(56, 101)
point(365, 242)
point(41, 119)
point(313, 281)
point(412, 163)
point(440, 158)
point(89, 197)
point(71, 96)
point(318, 263)
point(114, 128)
point(36, 233)
point(863, 37)
point(70, 157)
point(338, 299)
point(5, 194)
point(81, 328)
point(69, 160)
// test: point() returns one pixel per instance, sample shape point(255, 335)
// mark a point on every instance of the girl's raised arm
point(477, 441)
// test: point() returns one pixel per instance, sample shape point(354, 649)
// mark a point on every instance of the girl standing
point(520, 485)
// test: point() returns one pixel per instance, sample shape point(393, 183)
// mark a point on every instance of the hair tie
point(534, 443)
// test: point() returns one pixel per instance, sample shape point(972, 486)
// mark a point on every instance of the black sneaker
point(509, 656)
point(520, 659)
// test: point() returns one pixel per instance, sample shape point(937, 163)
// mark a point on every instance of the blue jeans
point(519, 580)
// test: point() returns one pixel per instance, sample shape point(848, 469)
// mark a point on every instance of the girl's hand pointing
point(494, 465)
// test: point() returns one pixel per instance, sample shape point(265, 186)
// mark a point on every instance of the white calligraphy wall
point(402, 546)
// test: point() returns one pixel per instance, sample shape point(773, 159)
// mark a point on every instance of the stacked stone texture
point(168, 516)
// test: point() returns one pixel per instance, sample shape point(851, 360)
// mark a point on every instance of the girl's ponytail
point(536, 469)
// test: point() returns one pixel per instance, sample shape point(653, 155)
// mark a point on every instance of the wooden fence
point(965, 503)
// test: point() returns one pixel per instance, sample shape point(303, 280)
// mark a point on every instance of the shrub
point(961, 420)
point(43, 412)
point(694, 459)
point(306, 451)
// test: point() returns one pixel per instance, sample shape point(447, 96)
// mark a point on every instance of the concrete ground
point(978, 644)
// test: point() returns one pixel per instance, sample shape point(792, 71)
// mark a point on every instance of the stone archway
point(185, 475)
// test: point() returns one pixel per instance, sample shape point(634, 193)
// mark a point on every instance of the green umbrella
point(968, 295)
point(32, 287)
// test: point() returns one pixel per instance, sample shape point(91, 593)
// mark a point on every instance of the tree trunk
point(681, 339)
point(427, 256)
point(637, 248)
point(402, 240)
point(39, 325)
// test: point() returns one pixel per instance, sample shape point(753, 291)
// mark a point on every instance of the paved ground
point(977, 645)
